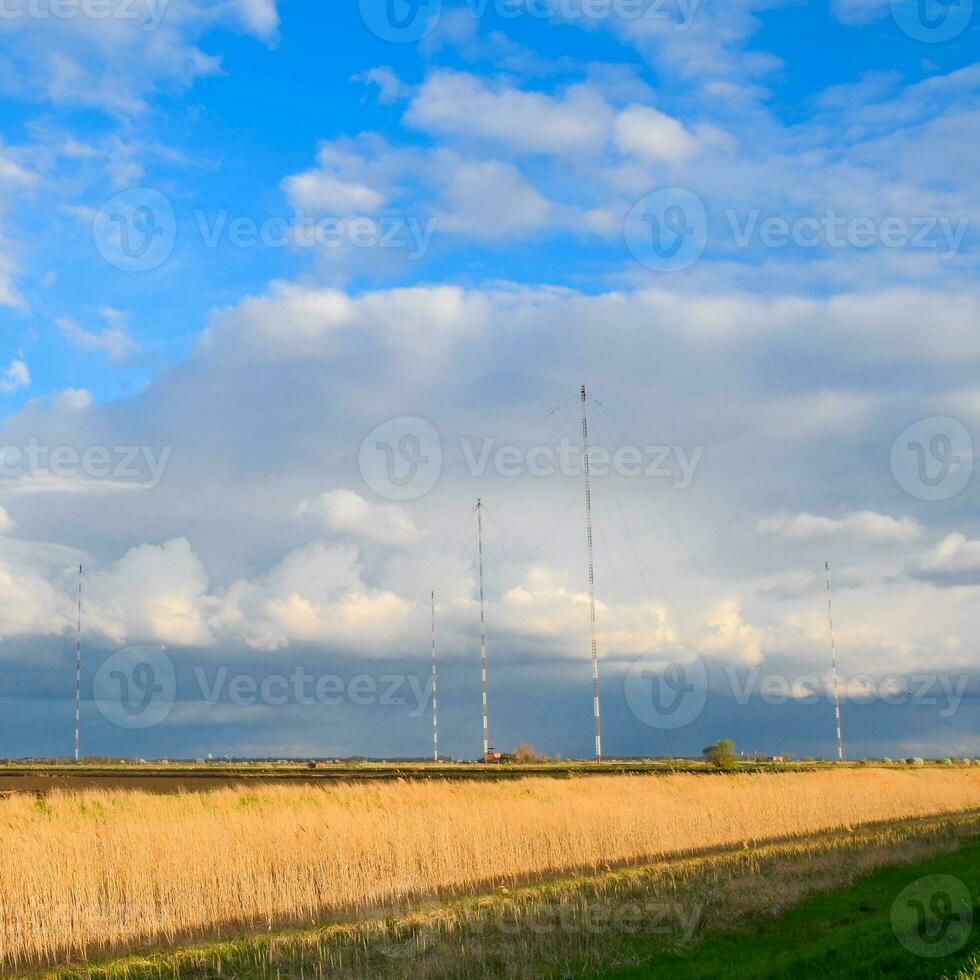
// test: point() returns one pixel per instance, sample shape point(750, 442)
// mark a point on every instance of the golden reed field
point(85, 872)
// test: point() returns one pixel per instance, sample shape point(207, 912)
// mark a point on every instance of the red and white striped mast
point(588, 540)
point(435, 687)
point(483, 630)
point(833, 658)
point(78, 667)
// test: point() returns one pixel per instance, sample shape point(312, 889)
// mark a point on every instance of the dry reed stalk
point(96, 870)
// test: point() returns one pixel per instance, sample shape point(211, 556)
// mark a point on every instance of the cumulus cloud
point(652, 135)
point(75, 399)
point(728, 634)
point(320, 190)
point(545, 606)
point(239, 569)
point(490, 199)
point(390, 87)
point(459, 104)
point(154, 593)
point(117, 63)
point(114, 340)
point(295, 320)
point(15, 376)
point(865, 524)
point(954, 561)
point(346, 512)
point(316, 594)
point(859, 11)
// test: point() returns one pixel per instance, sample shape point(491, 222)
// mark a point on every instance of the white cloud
point(322, 191)
point(113, 341)
point(456, 104)
point(14, 377)
point(260, 17)
point(705, 40)
point(29, 604)
point(544, 606)
point(74, 399)
point(390, 87)
point(652, 135)
point(418, 325)
point(155, 593)
point(346, 512)
point(728, 634)
point(241, 576)
point(315, 594)
point(955, 560)
point(491, 200)
point(117, 63)
point(865, 524)
point(859, 11)
point(10, 295)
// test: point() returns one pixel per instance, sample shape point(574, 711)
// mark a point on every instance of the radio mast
point(435, 687)
point(833, 658)
point(483, 629)
point(588, 540)
point(78, 667)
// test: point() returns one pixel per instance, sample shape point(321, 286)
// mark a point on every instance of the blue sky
point(257, 242)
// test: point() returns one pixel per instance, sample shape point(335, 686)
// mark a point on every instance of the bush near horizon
point(721, 755)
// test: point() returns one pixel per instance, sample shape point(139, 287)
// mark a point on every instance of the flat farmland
point(179, 777)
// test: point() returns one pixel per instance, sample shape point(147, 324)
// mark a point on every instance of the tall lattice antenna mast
point(78, 667)
point(483, 630)
point(833, 657)
point(435, 688)
point(588, 540)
